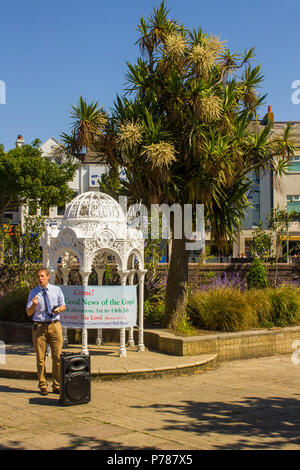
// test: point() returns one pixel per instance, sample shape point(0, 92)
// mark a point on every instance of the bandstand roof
point(94, 223)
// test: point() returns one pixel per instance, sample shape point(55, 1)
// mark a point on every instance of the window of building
point(294, 165)
point(8, 218)
point(61, 210)
point(293, 202)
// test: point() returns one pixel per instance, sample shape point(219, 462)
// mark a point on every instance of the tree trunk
point(177, 284)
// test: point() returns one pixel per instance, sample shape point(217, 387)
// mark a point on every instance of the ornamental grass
point(230, 309)
point(220, 310)
point(285, 306)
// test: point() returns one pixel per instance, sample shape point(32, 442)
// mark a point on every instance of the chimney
point(269, 117)
point(20, 141)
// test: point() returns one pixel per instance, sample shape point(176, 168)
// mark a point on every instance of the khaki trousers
point(52, 334)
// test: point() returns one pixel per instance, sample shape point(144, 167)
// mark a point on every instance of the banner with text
point(99, 306)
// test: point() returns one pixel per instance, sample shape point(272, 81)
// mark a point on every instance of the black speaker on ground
point(75, 379)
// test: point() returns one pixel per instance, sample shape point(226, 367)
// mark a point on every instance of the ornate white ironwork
point(94, 232)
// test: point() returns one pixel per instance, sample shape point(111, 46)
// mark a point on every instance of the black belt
point(45, 322)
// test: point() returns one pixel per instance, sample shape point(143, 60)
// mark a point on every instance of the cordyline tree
point(183, 132)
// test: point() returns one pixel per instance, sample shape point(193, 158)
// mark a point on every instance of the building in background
point(13, 213)
point(271, 191)
point(86, 178)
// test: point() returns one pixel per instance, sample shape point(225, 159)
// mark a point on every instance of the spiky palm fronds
point(71, 145)
point(88, 121)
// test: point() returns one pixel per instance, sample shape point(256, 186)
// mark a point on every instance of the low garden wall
point(227, 346)
point(197, 272)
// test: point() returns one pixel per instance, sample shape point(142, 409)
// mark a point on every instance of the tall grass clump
point(229, 309)
point(285, 302)
point(261, 308)
point(220, 310)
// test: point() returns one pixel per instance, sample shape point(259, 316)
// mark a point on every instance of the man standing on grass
point(44, 304)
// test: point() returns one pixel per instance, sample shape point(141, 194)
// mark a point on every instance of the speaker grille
point(75, 387)
point(77, 363)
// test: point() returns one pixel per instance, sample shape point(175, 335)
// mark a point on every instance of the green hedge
point(13, 306)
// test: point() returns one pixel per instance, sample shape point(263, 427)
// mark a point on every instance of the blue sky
point(53, 52)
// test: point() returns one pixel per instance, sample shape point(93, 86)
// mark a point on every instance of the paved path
point(249, 404)
point(20, 362)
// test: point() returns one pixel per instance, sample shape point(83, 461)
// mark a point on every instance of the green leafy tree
point(262, 243)
point(21, 255)
point(184, 134)
point(280, 220)
point(25, 175)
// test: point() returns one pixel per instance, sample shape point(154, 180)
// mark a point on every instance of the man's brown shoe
point(55, 390)
point(44, 392)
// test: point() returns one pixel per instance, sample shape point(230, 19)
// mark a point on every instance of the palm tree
point(184, 133)
point(88, 122)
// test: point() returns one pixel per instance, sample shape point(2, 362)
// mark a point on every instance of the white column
point(23, 212)
point(99, 339)
point(65, 273)
point(84, 345)
point(122, 352)
point(130, 336)
point(141, 277)
point(52, 275)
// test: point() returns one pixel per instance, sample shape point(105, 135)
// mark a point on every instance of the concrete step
point(20, 362)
